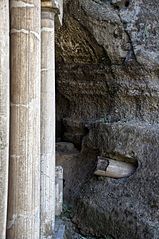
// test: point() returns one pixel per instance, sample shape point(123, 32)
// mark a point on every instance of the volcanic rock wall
point(108, 101)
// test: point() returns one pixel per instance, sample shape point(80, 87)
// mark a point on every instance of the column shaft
point(24, 180)
point(59, 190)
point(4, 113)
point(47, 125)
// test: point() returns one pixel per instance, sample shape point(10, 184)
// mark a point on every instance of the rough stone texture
point(47, 124)
point(4, 113)
point(98, 66)
point(71, 231)
point(107, 72)
point(24, 181)
point(59, 230)
point(77, 168)
point(59, 190)
point(127, 206)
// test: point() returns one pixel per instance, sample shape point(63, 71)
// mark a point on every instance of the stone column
point(24, 181)
point(47, 120)
point(4, 113)
point(59, 190)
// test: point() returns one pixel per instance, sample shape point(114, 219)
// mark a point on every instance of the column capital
point(55, 6)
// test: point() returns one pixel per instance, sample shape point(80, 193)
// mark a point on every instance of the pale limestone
point(24, 178)
point(4, 113)
point(59, 190)
point(47, 123)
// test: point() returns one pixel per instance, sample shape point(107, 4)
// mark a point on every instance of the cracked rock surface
point(108, 101)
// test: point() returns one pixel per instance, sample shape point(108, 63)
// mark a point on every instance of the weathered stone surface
point(24, 181)
point(47, 123)
point(59, 230)
point(72, 232)
point(111, 84)
point(128, 206)
point(59, 190)
point(77, 168)
point(4, 113)
point(141, 24)
point(107, 71)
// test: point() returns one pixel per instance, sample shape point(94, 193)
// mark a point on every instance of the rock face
point(77, 168)
point(127, 206)
point(108, 101)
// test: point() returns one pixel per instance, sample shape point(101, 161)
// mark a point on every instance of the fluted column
point(24, 178)
point(4, 113)
point(47, 120)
